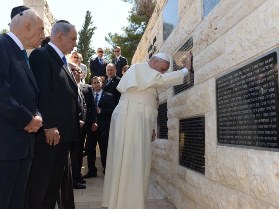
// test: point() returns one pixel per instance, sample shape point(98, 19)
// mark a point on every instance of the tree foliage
point(131, 36)
point(4, 31)
point(85, 36)
point(143, 7)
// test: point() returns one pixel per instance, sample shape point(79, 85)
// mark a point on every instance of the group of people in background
point(49, 115)
point(101, 97)
point(99, 63)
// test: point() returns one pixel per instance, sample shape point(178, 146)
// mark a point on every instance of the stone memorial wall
point(235, 89)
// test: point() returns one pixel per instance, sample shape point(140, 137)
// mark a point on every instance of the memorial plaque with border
point(192, 143)
point(162, 121)
point(247, 104)
point(178, 58)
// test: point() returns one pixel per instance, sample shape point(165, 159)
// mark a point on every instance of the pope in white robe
point(132, 122)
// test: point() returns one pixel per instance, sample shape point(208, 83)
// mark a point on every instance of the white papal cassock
point(129, 148)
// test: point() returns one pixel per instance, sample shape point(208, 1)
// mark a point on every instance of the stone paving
point(91, 197)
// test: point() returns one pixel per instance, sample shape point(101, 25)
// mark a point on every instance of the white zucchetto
point(162, 56)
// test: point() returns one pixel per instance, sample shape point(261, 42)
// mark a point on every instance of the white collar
point(99, 92)
point(57, 50)
point(16, 40)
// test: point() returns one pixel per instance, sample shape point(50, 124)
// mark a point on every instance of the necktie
point(25, 57)
point(96, 99)
point(101, 61)
point(66, 63)
point(80, 104)
point(64, 60)
point(109, 80)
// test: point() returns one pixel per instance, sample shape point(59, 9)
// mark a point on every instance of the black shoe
point(89, 175)
point(81, 181)
point(79, 186)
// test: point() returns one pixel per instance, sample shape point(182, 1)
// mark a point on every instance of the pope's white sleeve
point(185, 71)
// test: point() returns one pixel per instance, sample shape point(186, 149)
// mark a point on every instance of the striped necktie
point(101, 61)
point(109, 80)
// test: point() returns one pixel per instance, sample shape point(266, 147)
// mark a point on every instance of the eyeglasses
point(100, 52)
point(117, 51)
point(76, 57)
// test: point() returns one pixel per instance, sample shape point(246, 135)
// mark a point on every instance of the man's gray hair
point(112, 65)
point(63, 27)
point(28, 15)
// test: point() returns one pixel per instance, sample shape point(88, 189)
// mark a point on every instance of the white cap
point(162, 56)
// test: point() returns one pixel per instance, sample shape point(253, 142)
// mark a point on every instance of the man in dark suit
point(89, 126)
point(119, 61)
point(98, 65)
point(112, 82)
point(19, 117)
point(75, 151)
point(105, 106)
point(58, 103)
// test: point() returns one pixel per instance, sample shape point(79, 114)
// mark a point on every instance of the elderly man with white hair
point(131, 128)
point(19, 116)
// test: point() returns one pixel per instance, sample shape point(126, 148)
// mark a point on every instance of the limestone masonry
point(232, 33)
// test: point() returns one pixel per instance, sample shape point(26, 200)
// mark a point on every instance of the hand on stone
point(187, 61)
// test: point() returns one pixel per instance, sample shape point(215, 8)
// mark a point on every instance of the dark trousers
point(104, 147)
point(81, 148)
point(66, 195)
point(46, 175)
point(74, 153)
point(13, 180)
point(91, 143)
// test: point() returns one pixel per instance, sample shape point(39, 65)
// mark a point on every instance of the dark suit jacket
point(91, 113)
point(107, 107)
point(98, 69)
point(18, 102)
point(119, 65)
point(111, 88)
point(58, 99)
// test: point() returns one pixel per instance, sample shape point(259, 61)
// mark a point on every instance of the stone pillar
point(42, 8)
